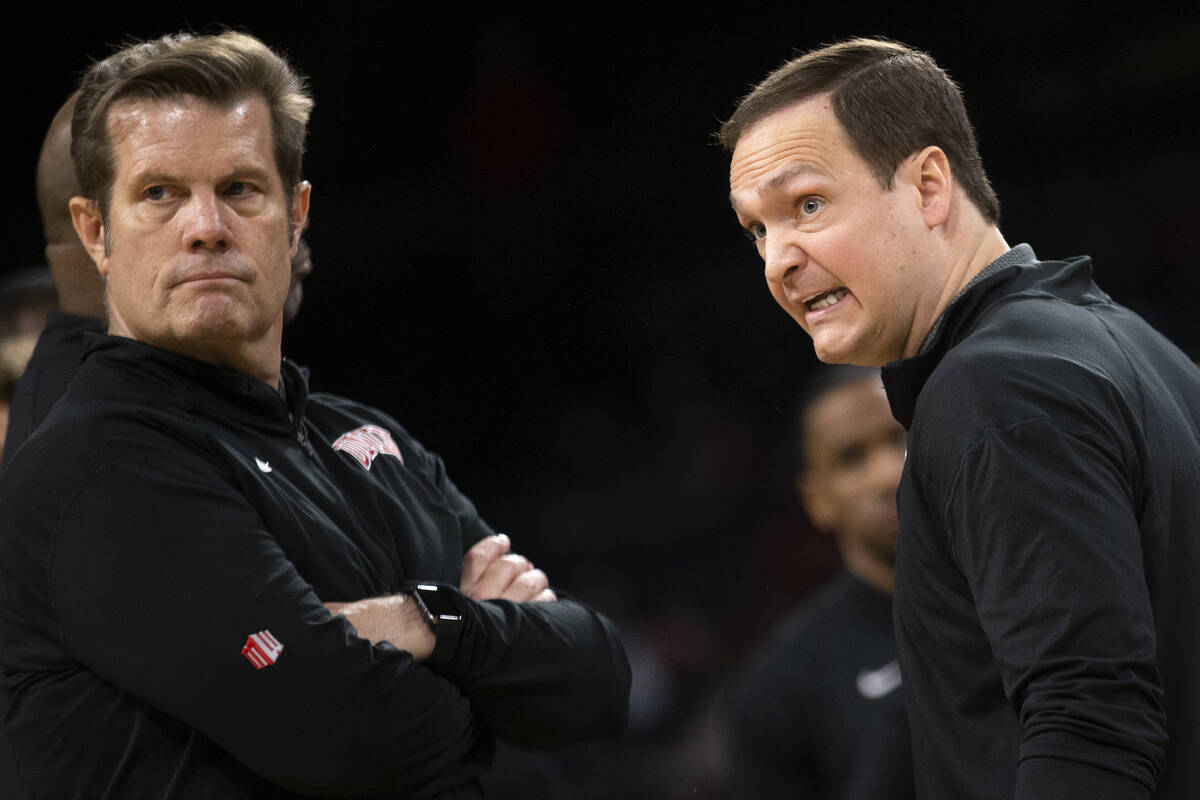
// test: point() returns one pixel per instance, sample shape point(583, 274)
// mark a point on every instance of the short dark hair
point(891, 100)
point(218, 68)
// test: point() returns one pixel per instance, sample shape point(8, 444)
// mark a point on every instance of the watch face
point(419, 602)
point(440, 604)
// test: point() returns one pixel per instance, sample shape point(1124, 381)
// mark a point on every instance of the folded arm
point(540, 671)
point(162, 573)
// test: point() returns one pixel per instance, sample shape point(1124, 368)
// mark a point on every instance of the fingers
point(478, 558)
point(545, 596)
point(491, 572)
point(498, 576)
point(526, 586)
point(510, 577)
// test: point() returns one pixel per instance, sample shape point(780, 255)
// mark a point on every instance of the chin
point(837, 356)
point(216, 325)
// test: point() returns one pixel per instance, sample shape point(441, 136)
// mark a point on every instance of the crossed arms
point(144, 576)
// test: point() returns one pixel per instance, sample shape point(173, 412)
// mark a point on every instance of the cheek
point(776, 290)
point(796, 313)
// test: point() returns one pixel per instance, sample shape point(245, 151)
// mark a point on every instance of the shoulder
point(802, 639)
point(1035, 374)
point(1029, 359)
point(324, 406)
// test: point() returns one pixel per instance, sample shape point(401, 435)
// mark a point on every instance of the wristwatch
point(442, 607)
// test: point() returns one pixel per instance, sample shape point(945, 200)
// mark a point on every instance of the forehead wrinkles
point(806, 132)
point(772, 167)
point(146, 129)
point(797, 153)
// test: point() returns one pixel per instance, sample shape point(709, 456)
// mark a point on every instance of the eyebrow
point(783, 177)
point(155, 177)
point(152, 178)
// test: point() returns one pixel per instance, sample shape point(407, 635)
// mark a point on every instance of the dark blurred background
point(524, 251)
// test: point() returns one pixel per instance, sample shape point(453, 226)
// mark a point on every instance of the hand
point(394, 619)
point(491, 572)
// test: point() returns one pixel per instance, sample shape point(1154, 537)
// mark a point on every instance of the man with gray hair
point(216, 583)
point(1047, 613)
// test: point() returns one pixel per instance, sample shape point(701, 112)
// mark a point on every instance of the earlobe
point(89, 226)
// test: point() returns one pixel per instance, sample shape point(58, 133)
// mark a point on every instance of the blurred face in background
point(854, 454)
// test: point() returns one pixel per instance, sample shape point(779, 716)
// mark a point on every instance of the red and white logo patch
point(262, 649)
point(366, 443)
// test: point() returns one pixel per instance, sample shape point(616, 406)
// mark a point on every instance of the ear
point(935, 182)
point(815, 500)
point(89, 226)
point(299, 211)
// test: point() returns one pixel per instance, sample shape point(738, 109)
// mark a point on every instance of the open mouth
point(826, 299)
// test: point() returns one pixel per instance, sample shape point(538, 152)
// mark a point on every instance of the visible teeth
point(824, 301)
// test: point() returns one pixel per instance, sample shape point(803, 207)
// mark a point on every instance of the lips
point(209, 269)
point(210, 276)
point(826, 299)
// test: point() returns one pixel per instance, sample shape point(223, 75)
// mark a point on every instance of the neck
point(870, 568)
point(258, 358)
point(965, 259)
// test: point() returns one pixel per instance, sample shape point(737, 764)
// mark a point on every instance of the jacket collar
point(201, 387)
point(1017, 272)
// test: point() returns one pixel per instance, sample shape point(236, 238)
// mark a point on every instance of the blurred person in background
point(26, 297)
point(817, 712)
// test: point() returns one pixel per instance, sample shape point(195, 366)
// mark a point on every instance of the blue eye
point(811, 205)
point(755, 232)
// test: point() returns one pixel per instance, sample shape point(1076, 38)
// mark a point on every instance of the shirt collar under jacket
point(1017, 272)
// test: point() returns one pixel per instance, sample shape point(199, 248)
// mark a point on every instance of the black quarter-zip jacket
point(1047, 602)
point(168, 511)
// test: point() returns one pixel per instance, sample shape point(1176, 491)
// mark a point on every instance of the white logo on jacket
point(880, 682)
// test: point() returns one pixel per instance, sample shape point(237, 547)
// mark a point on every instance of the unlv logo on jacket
point(366, 443)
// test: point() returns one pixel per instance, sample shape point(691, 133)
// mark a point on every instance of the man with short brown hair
point(216, 582)
point(1047, 616)
point(78, 286)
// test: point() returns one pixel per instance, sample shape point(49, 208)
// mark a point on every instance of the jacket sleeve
point(542, 675)
point(1042, 524)
point(162, 574)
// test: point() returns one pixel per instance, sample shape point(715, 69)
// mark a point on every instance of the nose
point(783, 257)
point(204, 223)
